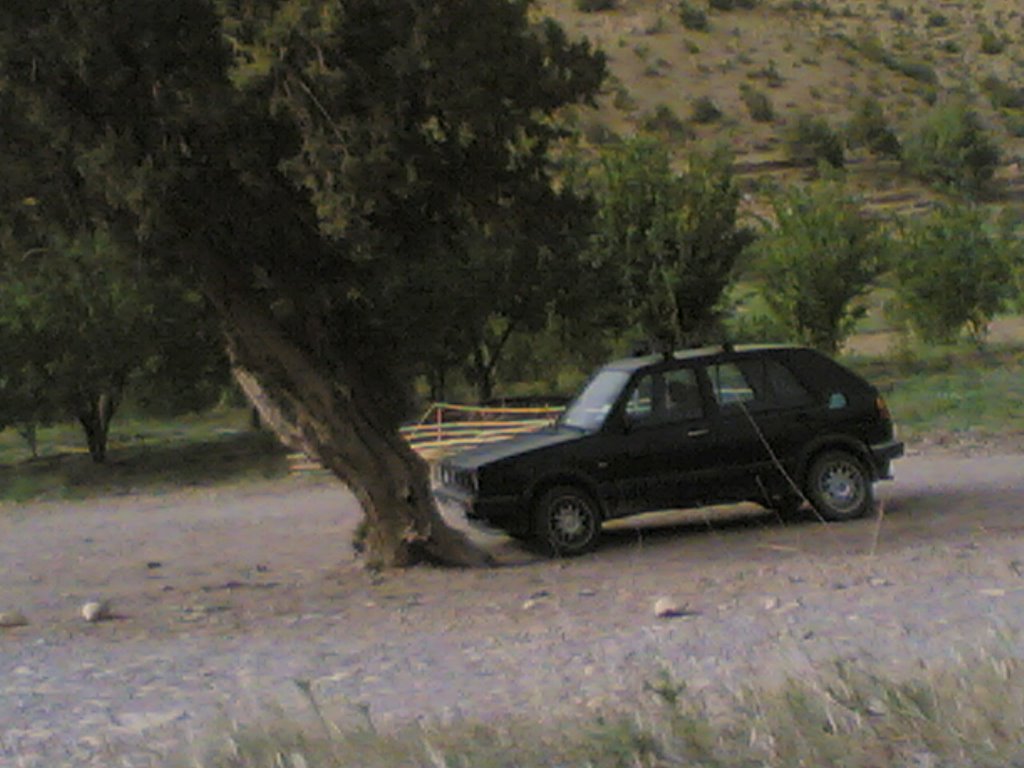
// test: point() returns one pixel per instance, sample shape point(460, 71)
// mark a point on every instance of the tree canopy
point(321, 166)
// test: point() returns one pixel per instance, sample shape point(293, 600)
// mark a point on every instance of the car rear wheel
point(839, 486)
point(566, 521)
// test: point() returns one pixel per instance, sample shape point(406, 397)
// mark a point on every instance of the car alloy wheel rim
point(842, 486)
point(571, 521)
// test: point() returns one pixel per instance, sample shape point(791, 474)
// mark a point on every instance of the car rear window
point(758, 384)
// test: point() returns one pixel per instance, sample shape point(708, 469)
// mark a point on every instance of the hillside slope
point(806, 56)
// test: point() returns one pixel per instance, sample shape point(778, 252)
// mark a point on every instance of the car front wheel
point(839, 486)
point(566, 521)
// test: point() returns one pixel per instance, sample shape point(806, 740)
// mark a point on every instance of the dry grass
point(970, 715)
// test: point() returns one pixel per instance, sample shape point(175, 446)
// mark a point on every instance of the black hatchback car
point(777, 425)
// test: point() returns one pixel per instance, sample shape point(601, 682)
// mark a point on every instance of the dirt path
point(226, 599)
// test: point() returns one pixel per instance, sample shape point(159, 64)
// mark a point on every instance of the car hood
point(490, 453)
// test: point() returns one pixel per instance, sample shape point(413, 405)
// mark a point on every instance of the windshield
point(592, 405)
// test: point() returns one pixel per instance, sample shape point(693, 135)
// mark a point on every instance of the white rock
point(10, 619)
point(96, 610)
point(771, 603)
point(667, 608)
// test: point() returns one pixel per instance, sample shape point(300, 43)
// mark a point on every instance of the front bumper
point(882, 455)
point(490, 513)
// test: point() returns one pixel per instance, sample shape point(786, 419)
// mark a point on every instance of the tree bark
point(327, 414)
point(94, 416)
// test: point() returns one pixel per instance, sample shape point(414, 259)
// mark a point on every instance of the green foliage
point(376, 174)
point(1002, 94)
point(81, 322)
point(704, 110)
point(869, 128)
point(950, 146)
point(992, 44)
point(731, 5)
point(821, 254)
point(871, 47)
point(936, 20)
point(951, 272)
point(671, 240)
point(593, 6)
point(693, 17)
point(665, 122)
point(758, 103)
point(810, 140)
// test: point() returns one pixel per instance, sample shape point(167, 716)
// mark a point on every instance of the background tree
point(950, 146)
point(819, 255)
point(672, 239)
point(952, 272)
point(81, 321)
point(319, 187)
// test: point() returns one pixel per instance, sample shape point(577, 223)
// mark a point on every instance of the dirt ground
point(224, 599)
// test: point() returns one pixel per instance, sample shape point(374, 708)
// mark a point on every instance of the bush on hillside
point(693, 17)
point(758, 104)
point(810, 140)
point(705, 110)
point(950, 146)
point(593, 6)
point(869, 128)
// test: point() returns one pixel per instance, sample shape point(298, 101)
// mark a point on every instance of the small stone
point(529, 605)
point(876, 707)
point(96, 610)
point(876, 581)
point(771, 603)
point(154, 564)
point(667, 608)
point(10, 619)
point(587, 592)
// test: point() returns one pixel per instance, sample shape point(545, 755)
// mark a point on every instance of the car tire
point(839, 486)
point(566, 522)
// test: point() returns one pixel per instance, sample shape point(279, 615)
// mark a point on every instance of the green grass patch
point(144, 455)
point(969, 716)
point(960, 390)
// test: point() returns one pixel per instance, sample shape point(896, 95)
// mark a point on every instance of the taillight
point(883, 409)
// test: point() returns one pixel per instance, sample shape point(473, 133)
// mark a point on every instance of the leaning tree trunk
point(326, 414)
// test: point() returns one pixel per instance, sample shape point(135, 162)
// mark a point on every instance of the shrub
point(936, 20)
point(811, 140)
point(705, 110)
point(758, 104)
point(592, 6)
point(624, 100)
point(663, 120)
point(731, 5)
point(950, 274)
point(950, 146)
point(1001, 94)
point(821, 254)
point(693, 17)
point(869, 128)
point(991, 43)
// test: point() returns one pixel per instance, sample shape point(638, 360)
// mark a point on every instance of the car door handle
point(697, 433)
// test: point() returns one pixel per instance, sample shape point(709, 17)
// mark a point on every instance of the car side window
point(732, 387)
point(640, 405)
point(786, 390)
point(683, 399)
point(665, 397)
